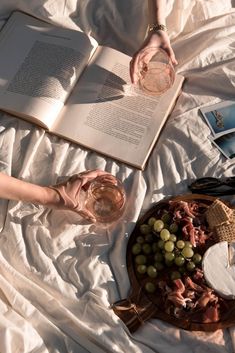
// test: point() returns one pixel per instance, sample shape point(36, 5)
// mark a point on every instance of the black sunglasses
point(213, 186)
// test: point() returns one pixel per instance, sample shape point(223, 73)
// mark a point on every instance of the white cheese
point(219, 269)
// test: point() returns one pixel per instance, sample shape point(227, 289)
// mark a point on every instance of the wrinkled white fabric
point(58, 277)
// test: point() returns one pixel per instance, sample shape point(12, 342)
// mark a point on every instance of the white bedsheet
point(57, 277)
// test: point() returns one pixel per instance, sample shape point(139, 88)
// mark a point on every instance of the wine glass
point(105, 199)
point(156, 72)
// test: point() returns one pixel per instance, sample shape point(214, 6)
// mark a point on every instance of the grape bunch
point(160, 249)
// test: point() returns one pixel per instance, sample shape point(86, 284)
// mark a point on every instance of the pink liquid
point(106, 203)
point(158, 78)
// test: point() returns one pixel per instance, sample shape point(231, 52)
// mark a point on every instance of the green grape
point(145, 229)
point(165, 234)
point(166, 217)
point(173, 238)
point(140, 259)
point(169, 246)
point(175, 275)
point(180, 244)
point(188, 244)
point(169, 256)
point(169, 263)
point(141, 269)
point(158, 225)
point(173, 228)
point(182, 270)
point(187, 252)
point(151, 221)
point(190, 266)
point(179, 260)
point(155, 247)
point(158, 257)
point(147, 249)
point(140, 239)
point(136, 249)
point(160, 244)
point(149, 238)
point(159, 266)
point(152, 271)
point(150, 287)
point(197, 258)
point(166, 226)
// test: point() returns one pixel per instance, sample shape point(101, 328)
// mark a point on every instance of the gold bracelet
point(156, 28)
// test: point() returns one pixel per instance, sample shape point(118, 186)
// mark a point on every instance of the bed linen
point(59, 276)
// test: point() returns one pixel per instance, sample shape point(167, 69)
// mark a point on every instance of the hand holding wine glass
point(153, 40)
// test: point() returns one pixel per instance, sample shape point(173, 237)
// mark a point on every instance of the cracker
point(225, 232)
point(218, 213)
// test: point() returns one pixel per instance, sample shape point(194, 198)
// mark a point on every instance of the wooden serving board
point(141, 306)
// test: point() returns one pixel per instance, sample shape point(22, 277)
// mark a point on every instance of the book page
point(106, 114)
point(39, 66)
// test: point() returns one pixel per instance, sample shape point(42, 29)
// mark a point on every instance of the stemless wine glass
point(156, 72)
point(105, 199)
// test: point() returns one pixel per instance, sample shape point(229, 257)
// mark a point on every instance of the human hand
point(150, 46)
point(67, 195)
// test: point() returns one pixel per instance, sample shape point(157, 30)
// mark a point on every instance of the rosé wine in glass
point(105, 199)
point(156, 72)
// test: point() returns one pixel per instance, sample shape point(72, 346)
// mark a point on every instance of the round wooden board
point(140, 306)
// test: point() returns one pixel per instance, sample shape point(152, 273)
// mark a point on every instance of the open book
point(64, 81)
point(221, 119)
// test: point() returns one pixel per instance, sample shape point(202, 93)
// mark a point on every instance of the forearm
point(157, 37)
point(157, 11)
point(15, 189)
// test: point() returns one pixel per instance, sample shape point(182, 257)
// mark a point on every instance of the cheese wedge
point(218, 266)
